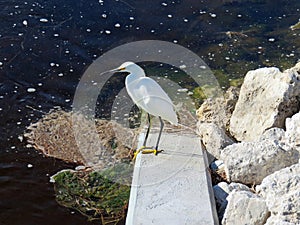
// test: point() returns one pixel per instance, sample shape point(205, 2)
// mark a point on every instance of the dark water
point(47, 45)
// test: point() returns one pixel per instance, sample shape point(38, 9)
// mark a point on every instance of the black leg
point(160, 131)
point(148, 130)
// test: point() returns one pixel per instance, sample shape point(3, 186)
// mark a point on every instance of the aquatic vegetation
point(202, 93)
point(95, 194)
point(237, 82)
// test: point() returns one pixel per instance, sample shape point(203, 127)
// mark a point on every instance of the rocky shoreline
point(255, 136)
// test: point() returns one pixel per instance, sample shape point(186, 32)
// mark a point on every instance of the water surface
point(45, 46)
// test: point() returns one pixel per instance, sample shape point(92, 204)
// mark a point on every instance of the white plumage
point(148, 95)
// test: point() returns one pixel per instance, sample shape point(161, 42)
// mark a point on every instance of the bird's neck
point(134, 76)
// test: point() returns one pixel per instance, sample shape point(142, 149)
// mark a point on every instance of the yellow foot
point(149, 151)
point(146, 150)
point(135, 154)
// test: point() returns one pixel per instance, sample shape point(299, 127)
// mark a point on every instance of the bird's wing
point(147, 94)
point(146, 89)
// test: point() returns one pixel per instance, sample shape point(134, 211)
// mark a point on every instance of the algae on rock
point(95, 194)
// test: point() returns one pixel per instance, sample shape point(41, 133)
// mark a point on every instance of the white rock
point(238, 187)
point(282, 194)
point(213, 137)
point(217, 165)
point(250, 162)
point(277, 136)
point(274, 134)
point(218, 110)
point(277, 220)
point(221, 192)
point(244, 207)
point(222, 189)
point(267, 97)
point(292, 134)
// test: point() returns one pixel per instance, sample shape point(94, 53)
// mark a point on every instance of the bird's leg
point(148, 130)
point(145, 140)
point(159, 135)
point(155, 151)
point(148, 150)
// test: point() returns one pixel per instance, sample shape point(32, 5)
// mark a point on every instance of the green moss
point(203, 92)
point(236, 82)
point(198, 94)
point(98, 195)
point(222, 77)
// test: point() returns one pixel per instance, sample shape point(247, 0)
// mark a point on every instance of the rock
point(221, 192)
point(282, 194)
point(250, 162)
point(238, 187)
point(277, 220)
point(217, 165)
point(219, 110)
point(260, 107)
point(223, 189)
point(275, 135)
point(289, 139)
point(95, 194)
point(213, 138)
point(292, 134)
point(244, 207)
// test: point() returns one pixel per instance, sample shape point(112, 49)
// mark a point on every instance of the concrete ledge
point(173, 187)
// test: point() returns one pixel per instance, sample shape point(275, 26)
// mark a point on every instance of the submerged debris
point(234, 34)
point(53, 135)
point(295, 26)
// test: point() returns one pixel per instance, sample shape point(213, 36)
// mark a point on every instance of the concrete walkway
point(173, 187)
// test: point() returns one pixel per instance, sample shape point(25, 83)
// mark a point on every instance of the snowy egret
point(149, 96)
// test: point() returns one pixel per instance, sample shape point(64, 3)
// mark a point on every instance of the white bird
point(148, 95)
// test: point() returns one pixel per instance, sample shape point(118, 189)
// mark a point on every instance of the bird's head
point(129, 67)
point(126, 67)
